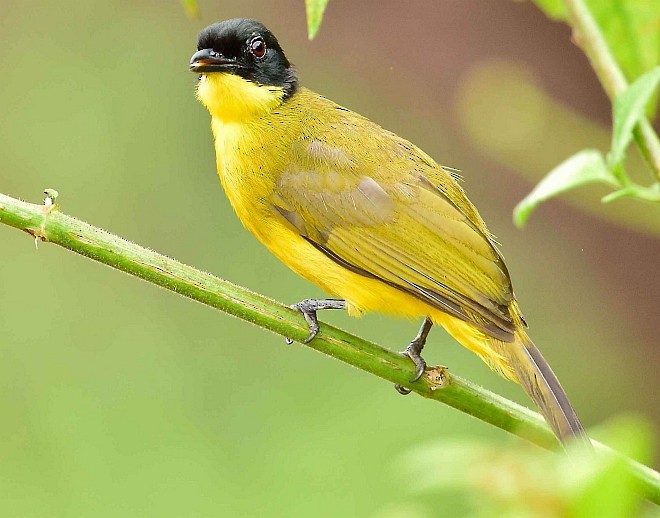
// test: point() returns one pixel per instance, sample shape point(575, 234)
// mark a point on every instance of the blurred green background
point(121, 399)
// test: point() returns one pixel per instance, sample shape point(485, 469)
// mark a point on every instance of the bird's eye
point(258, 47)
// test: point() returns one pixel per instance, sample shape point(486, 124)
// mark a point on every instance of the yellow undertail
point(523, 363)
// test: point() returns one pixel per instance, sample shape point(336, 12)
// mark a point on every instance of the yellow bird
point(362, 213)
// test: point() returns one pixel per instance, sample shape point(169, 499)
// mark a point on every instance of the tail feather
point(522, 362)
point(541, 384)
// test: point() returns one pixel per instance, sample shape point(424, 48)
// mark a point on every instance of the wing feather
point(413, 229)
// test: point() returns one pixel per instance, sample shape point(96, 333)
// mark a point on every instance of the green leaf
point(651, 193)
point(314, 9)
point(554, 9)
point(515, 480)
point(192, 8)
point(628, 109)
point(585, 167)
point(631, 29)
point(603, 485)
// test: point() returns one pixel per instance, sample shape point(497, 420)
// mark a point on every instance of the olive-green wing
point(404, 231)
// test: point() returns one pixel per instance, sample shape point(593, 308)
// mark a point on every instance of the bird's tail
point(541, 384)
point(522, 362)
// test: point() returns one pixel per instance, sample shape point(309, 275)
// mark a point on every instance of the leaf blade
point(587, 166)
point(314, 10)
point(191, 7)
point(630, 28)
point(554, 9)
point(627, 110)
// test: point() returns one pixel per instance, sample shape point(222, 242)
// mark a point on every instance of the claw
point(413, 351)
point(313, 331)
point(402, 390)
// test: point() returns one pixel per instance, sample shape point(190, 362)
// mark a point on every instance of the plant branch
point(588, 36)
point(46, 224)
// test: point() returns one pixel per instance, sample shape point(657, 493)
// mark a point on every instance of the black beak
point(208, 60)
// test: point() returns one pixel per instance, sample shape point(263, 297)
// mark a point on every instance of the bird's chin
point(229, 96)
point(210, 68)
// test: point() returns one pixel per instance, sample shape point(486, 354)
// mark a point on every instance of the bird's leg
point(414, 351)
point(309, 307)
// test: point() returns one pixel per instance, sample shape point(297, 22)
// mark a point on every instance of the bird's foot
point(308, 308)
point(414, 352)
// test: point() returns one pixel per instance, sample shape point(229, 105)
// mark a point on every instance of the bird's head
point(243, 70)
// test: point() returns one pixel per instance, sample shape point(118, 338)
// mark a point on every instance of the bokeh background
point(121, 399)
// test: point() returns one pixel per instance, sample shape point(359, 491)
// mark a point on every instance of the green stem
point(588, 35)
point(54, 227)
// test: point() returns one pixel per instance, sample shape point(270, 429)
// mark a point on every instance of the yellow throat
point(231, 98)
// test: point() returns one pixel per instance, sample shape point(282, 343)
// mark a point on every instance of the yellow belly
point(364, 294)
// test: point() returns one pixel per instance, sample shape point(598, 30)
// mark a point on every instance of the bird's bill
point(208, 60)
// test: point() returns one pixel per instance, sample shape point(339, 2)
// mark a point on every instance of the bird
point(362, 213)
